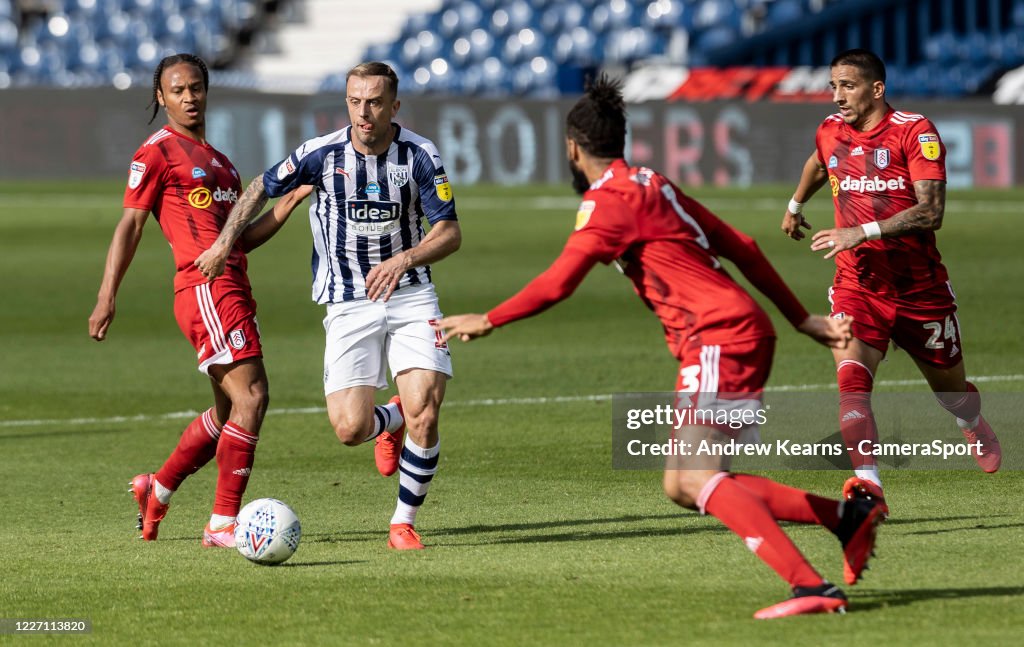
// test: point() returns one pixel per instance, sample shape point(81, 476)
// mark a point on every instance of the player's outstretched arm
point(122, 248)
point(812, 178)
point(555, 284)
point(211, 262)
point(443, 239)
point(926, 215)
point(263, 228)
point(834, 333)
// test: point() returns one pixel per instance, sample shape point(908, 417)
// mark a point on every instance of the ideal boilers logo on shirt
point(372, 217)
point(202, 198)
point(865, 184)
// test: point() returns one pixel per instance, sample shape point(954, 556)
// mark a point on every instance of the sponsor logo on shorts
point(138, 169)
point(839, 315)
point(198, 172)
point(237, 339)
point(372, 217)
point(439, 342)
point(202, 350)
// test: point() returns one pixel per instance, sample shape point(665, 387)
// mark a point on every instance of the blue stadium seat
point(523, 45)
point(668, 14)
point(614, 14)
point(783, 11)
point(710, 14)
point(941, 48)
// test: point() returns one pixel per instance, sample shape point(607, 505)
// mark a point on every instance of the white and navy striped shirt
point(366, 208)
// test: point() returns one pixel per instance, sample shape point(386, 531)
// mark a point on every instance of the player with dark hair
point(887, 173)
point(189, 187)
point(375, 182)
point(669, 245)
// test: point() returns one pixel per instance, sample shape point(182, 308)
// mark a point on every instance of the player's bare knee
point(349, 434)
point(683, 487)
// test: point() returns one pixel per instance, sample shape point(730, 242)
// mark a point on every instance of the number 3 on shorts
point(939, 329)
point(689, 381)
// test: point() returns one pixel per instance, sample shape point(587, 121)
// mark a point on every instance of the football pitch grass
point(533, 538)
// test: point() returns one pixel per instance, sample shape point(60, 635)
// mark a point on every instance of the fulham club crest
point(237, 339)
point(881, 158)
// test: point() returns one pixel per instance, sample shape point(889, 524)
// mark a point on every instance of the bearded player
point(887, 172)
point(669, 246)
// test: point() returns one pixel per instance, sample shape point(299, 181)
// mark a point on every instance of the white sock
point(219, 521)
point(163, 495)
point(416, 468)
point(968, 424)
point(869, 473)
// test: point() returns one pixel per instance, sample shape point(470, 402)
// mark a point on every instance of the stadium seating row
point(81, 42)
point(522, 47)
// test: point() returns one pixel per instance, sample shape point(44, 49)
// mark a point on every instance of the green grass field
point(534, 539)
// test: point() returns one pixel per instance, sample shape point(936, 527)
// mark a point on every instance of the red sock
point(197, 446)
point(235, 453)
point(744, 513)
point(790, 504)
point(856, 420)
point(966, 406)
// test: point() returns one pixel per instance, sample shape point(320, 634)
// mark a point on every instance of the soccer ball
point(267, 531)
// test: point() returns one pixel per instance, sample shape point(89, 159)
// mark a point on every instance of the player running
point(887, 172)
point(375, 182)
point(189, 187)
point(669, 245)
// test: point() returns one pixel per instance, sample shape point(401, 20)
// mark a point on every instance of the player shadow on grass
point(577, 535)
point(871, 600)
point(339, 562)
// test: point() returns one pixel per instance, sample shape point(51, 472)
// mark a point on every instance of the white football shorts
point(365, 338)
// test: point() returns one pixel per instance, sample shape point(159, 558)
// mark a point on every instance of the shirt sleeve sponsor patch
point(583, 213)
point(135, 174)
point(929, 146)
point(442, 187)
point(285, 169)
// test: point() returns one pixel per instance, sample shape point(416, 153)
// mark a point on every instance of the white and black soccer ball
point(267, 531)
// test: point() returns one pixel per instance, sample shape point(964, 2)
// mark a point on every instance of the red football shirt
point(668, 245)
point(872, 177)
point(190, 187)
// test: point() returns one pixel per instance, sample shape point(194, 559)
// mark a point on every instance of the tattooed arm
point(926, 215)
point(211, 262)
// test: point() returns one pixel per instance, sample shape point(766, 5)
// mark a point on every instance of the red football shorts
point(219, 318)
point(923, 324)
point(727, 380)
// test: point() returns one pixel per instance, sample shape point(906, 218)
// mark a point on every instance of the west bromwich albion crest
point(398, 175)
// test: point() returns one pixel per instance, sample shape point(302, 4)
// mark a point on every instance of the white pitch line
point(483, 402)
